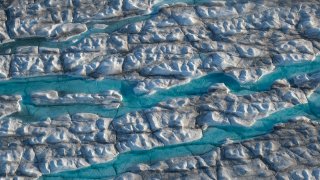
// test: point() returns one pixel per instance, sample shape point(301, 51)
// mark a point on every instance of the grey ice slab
point(9, 105)
point(108, 99)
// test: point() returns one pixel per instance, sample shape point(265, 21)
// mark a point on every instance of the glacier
point(159, 89)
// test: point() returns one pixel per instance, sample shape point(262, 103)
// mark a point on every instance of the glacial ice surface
point(143, 89)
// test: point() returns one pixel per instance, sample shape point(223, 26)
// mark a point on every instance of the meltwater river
point(132, 102)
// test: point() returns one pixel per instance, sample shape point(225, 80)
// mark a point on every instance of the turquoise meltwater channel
point(212, 138)
point(131, 102)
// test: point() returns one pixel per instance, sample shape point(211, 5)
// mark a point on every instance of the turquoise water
point(314, 102)
point(132, 102)
point(212, 138)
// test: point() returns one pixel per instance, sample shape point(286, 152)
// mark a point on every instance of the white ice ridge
point(110, 99)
